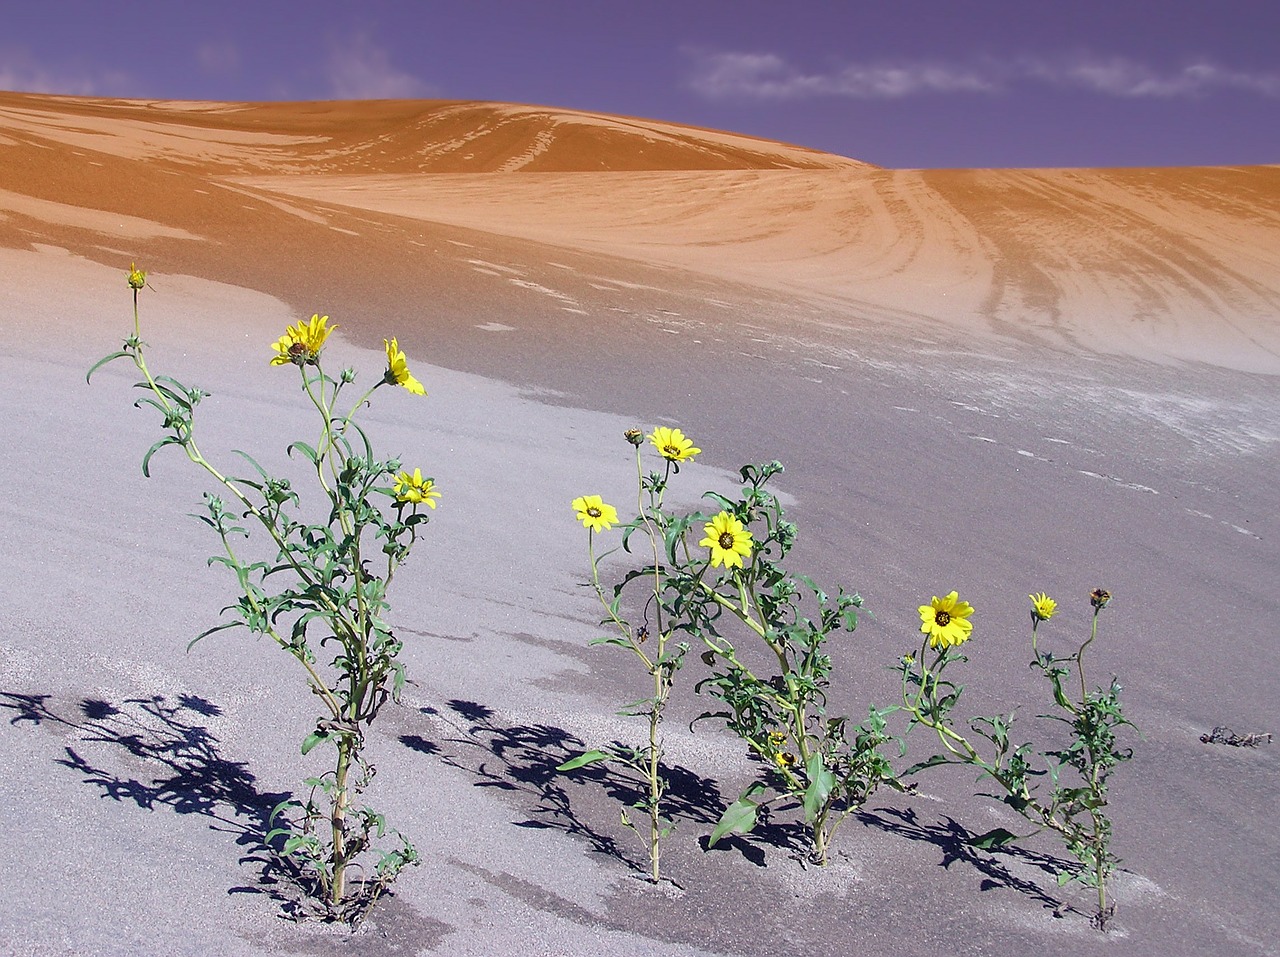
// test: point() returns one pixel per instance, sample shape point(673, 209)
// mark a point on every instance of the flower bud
point(137, 277)
point(1099, 598)
point(634, 436)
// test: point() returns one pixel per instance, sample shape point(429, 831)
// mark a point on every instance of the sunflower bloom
point(672, 444)
point(946, 621)
point(301, 342)
point(594, 513)
point(728, 540)
point(1042, 607)
point(415, 489)
point(398, 369)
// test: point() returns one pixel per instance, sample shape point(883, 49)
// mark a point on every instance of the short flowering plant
point(824, 764)
point(318, 592)
point(1073, 806)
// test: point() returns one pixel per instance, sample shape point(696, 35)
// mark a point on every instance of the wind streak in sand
point(1179, 264)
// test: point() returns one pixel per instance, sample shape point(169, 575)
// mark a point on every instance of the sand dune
point(997, 381)
point(1163, 264)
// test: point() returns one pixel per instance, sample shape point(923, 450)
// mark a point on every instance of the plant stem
point(338, 821)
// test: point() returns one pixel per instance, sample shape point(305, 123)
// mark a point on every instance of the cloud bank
point(21, 72)
point(768, 76)
point(359, 69)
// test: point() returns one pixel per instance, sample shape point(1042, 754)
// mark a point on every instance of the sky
point(899, 83)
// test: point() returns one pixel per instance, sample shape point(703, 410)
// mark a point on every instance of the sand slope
point(1162, 264)
point(994, 381)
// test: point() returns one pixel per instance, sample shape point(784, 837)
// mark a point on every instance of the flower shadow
point(526, 760)
point(956, 844)
point(173, 761)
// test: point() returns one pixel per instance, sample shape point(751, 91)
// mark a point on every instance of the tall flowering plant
point(662, 590)
point(719, 589)
point(1073, 806)
point(319, 594)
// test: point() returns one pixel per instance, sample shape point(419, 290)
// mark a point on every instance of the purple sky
point(900, 83)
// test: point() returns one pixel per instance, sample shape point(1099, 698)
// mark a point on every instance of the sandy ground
point(924, 452)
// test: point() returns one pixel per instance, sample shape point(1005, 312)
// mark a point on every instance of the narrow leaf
point(582, 760)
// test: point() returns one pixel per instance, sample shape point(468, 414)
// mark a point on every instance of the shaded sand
point(926, 451)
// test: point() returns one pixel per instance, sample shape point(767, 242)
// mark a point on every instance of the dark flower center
point(594, 512)
point(943, 618)
point(727, 541)
point(670, 450)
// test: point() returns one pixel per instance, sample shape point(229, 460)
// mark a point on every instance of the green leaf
point(146, 459)
point(103, 361)
point(582, 760)
point(209, 631)
point(311, 740)
point(739, 817)
point(821, 784)
point(252, 461)
point(932, 762)
point(993, 839)
point(306, 450)
point(609, 640)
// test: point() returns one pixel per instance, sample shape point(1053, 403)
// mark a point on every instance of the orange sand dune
point(1166, 264)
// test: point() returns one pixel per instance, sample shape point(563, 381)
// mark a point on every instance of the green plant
point(667, 592)
point(318, 590)
point(823, 763)
point(1074, 807)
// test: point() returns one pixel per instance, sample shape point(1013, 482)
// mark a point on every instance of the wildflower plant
point(319, 594)
point(653, 634)
point(826, 765)
point(1073, 804)
point(719, 589)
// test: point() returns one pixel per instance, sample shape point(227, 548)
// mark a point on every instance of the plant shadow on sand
point(526, 760)
point(179, 766)
point(956, 844)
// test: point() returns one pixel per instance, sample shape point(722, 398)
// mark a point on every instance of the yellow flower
point(784, 760)
point(302, 342)
point(137, 277)
point(1042, 607)
point(398, 369)
point(777, 739)
point(728, 540)
point(416, 489)
point(672, 444)
point(593, 513)
point(946, 621)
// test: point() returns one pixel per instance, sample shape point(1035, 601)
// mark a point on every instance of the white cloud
point(768, 76)
point(359, 69)
point(20, 72)
point(1119, 76)
point(218, 57)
